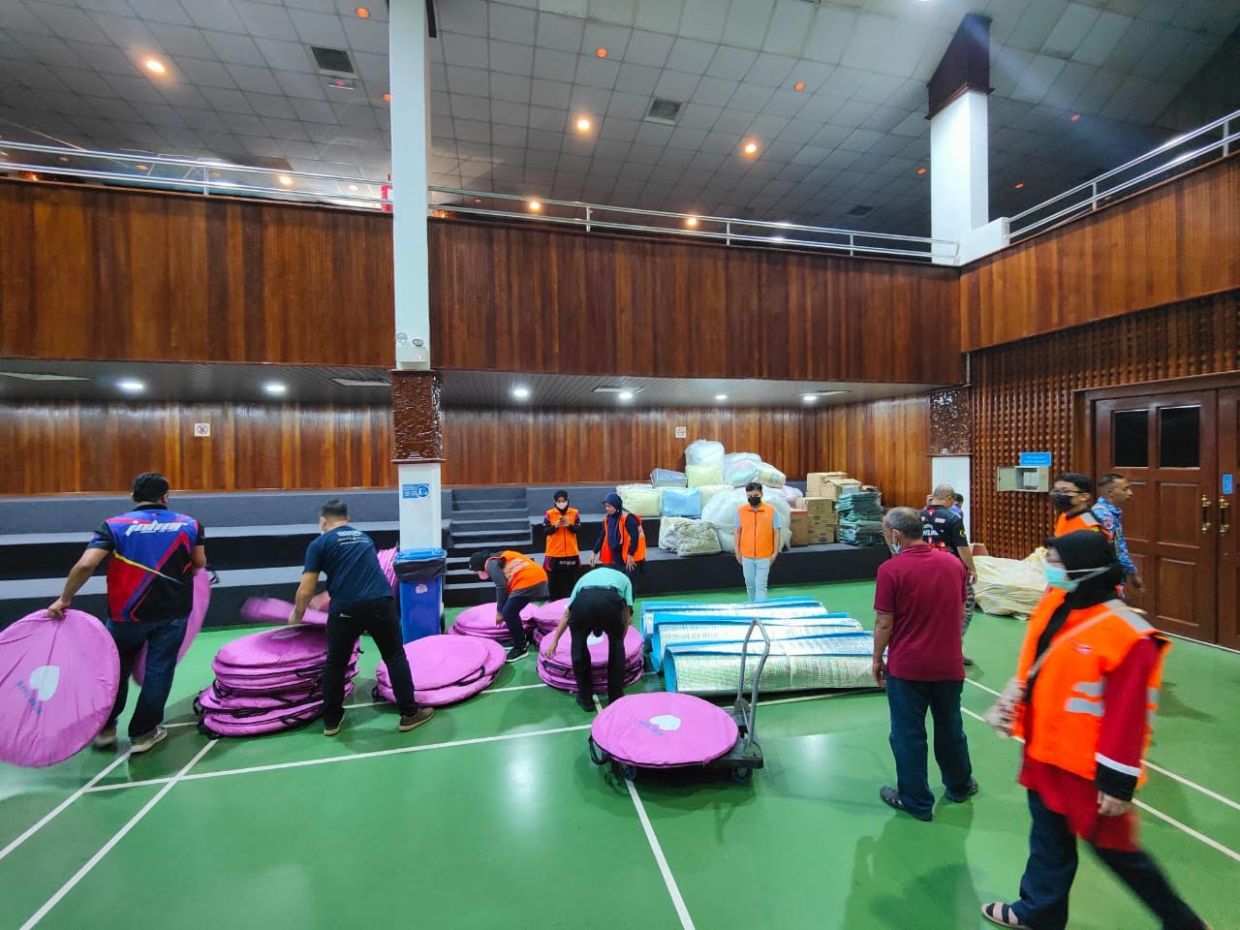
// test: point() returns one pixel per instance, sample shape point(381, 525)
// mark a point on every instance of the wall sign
point(1229, 483)
point(415, 491)
point(682, 432)
point(202, 430)
point(1035, 460)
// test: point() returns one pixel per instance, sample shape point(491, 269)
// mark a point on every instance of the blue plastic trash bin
point(419, 576)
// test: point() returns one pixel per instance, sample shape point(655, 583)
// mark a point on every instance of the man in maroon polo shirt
point(919, 606)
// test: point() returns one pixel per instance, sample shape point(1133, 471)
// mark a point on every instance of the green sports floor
point(492, 815)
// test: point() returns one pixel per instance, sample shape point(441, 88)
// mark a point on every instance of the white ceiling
point(509, 77)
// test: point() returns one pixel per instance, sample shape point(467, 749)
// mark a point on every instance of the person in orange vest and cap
point(1085, 690)
point(1072, 496)
point(519, 581)
point(561, 559)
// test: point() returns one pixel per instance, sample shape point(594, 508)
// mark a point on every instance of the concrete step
point(514, 526)
point(467, 595)
point(493, 494)
point(490, 506)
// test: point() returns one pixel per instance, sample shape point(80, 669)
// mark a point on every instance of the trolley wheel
point(628, 772)
point(197, 708)
point(742, 775)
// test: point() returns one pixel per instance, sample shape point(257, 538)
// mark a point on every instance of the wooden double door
point(1180, 449)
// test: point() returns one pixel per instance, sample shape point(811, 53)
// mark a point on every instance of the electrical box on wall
point(1033, 479)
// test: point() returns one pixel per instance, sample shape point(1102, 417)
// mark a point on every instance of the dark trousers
point(908, 702)
point(599, 611)
point(561, 576)
point(378, 620)
point(162, 639)
point(1048, 876)
point(511, 612)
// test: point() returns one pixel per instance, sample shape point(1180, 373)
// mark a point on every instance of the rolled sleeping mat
point(779, 615)
point(830, 661)
point(723, 631)
point(58, 682)
point(197, 614)
point(660, 730)
point(733, 607)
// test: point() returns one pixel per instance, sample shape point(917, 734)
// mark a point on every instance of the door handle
point(1205, 513)
point(1223, 524)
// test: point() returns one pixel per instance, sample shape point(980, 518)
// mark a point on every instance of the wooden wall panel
point(1176, 242)
point(531, 298)
point(93, 273)
point(66, 448)
point(1022, 398)
point(884, 443)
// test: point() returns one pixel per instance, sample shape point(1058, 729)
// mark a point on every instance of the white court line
point(1201, 837)
point(1222, 799)
point(327, 760)
point(686, 922)
point(108, 846)
point(59, 808)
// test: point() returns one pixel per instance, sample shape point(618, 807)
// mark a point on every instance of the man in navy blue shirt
point(361, 602)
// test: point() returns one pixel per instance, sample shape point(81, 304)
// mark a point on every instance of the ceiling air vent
point(335, 60)
point(664, 111)
point(859, 211)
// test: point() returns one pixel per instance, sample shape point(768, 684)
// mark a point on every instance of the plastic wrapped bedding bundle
point(445, 669)
point(682, 502)
point(734, 629)
point(771, 476)
point(827, 661)
point(666, 478)
point(710, 491)
point(722, 510)
point(791, 606)
point(741, 468)
point(641, 499)
point(1007, 587)
point(700, 475)
point(697, 538)
point(704, 452)
point(669, 531)
point(790, 494)
point(557, 671)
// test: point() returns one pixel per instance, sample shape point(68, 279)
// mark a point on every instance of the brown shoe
point(413, 721)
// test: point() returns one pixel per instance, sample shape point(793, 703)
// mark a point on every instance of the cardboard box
point(815, 482)
point(799, 524)
point(821, 534)
point(835, 487)
point(818, 507)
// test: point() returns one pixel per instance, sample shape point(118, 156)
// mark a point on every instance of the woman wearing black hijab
point(1083, 753)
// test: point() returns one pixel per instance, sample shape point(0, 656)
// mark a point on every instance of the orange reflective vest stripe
point(562, 543)
point(521, 571)
point(1070, 695)
point(1081, 521)
point(639, 556)
point(756, 539)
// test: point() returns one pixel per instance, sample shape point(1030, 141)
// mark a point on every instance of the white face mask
point(894, 546)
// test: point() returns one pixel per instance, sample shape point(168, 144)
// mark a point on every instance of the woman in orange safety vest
point(561, 524)
point(1085, 690)
point(622, 542)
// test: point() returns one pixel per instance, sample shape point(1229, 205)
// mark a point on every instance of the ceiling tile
point(613, 38)
point(714, 91)
point(510, 58)
point(790, 24)
point(465, 50)
point(551, 65)
point(215, 16)
point(597, 72)
point(747, 23)
point(676, 85)
point(560, 33)
point(691, 56)
point(637, 79)
point(467, 17)
point(659, 15)
point(513, 24)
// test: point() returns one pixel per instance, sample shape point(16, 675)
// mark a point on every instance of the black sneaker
point(516, 654)
point(587, 706)
point(971, 790)
point(413, 721)
point(968, 661)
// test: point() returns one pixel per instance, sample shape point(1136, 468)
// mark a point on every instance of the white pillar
point(420, 482)
point(959, 168)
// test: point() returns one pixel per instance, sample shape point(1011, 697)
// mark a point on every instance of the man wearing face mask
point(1071, 497)
point(561, 561)
point(918, 606)
point(1085, 690)
point(757, 540)
point(361, 602)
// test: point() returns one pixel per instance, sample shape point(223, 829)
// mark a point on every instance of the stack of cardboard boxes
point(814, 521)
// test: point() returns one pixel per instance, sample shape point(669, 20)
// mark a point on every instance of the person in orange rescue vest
point(561, 524)
point(1072, 496)
point(519, 581)
point(622, 542)
point(757, 540)
point(1085, 690)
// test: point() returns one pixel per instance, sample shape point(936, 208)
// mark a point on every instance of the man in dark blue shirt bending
point(361, 602)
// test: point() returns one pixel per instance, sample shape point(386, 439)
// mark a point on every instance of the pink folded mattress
point(58, 681)
point(658, 729)
point(441, 661)
point(274, 610)
point(479, 620)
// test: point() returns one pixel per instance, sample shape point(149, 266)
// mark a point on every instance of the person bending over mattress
point(601, 603)
point(519, 581)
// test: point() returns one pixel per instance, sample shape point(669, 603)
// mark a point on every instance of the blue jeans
point(162, 639)
point(908, 702)
point(756, 572)
point(1052, 863)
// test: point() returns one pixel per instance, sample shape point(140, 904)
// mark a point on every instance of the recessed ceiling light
point(625, 396)
point(750, 148)
point(799, 86)
point(362, 12)
point(584, 124)
point(143, 167)
point(352, 188)
point(63, 159)
point(809, 398)
point(691, 222)
point(600, 52)
point(276, 388)
point(155, 66)
point(521, 393)
point(131, 385)
point(285, 180)
point(1019, 185)
point(1075, 117)
point(387, 98)
point(534, 206)
point(721, 397)
point(921, 170)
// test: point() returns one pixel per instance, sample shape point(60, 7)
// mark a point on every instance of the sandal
point(1002, 915)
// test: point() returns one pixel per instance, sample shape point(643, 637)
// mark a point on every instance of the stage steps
point(482, 519)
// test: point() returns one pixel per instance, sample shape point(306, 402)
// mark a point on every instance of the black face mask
point(1062, 501)
point(755, 501)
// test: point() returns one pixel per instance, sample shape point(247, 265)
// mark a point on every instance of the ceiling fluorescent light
point(358, 383)
point(40, 376)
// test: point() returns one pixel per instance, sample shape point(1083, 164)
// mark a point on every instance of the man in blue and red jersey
point(154, 552)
